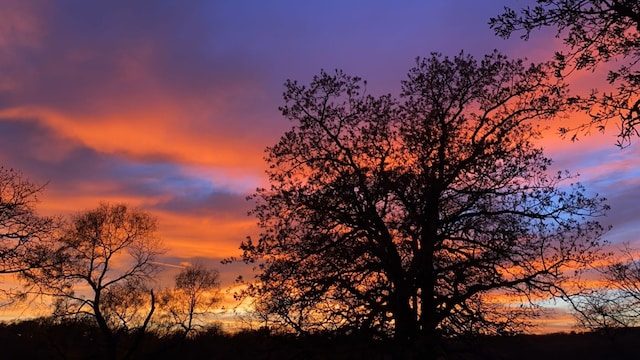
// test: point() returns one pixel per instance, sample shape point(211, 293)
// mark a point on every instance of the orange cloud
point(153, 132)
point(190, 236)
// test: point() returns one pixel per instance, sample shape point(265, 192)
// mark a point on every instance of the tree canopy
point(411, 216)
point(597, 33)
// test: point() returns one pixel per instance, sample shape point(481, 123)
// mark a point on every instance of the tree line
point(428, 216)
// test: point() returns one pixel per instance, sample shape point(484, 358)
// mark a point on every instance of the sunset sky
point(168, 105)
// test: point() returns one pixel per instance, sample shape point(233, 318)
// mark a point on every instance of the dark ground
point(42, 340)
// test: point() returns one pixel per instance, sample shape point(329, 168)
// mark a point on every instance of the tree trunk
point(111, 342)
point(143, 328)
point(405, 323)
point(428, 319)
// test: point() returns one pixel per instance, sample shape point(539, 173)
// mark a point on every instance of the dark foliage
point(76, 340)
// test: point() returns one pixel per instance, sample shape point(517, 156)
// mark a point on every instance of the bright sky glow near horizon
point(168, 105)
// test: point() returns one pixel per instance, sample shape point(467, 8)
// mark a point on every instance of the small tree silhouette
point(615, 303)
point(194, 294)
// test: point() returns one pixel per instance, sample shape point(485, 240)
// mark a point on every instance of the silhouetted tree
point(615, 302)
point(409, 216)
point(596, 32)
point(104, 260)
point(23, 233)
point(194, 294)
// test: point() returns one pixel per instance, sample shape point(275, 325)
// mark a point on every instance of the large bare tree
point(412, 217)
